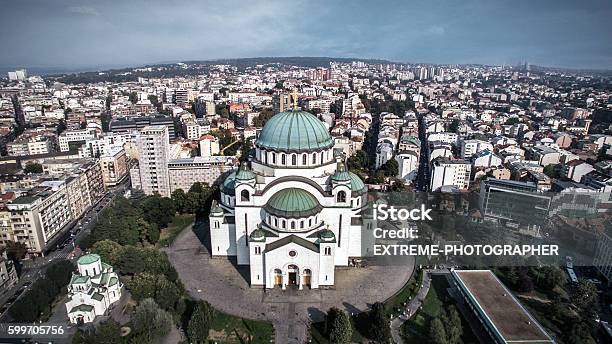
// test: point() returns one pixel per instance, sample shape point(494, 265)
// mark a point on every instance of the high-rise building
point(153, 160)
point(281, 102)
point(18, 75)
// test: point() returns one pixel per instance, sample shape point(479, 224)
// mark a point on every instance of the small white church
point(92, 290)
point(294, 214)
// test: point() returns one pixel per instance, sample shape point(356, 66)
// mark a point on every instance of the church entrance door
point(293, 275)
point(292, 278)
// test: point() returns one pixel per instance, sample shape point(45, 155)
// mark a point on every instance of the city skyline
point(75, 35)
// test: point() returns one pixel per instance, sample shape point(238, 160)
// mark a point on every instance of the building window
point(322, 157)
point(341, 196)
point(314, 158)
point(292, 253)
point(274, 158)
point(283, 224)
point(292, 224)
point(302, 224)
point(328, 251)
point(293, 159)
point(244, 196)
point(283, 160)
point(257, 250)
point(304, 159)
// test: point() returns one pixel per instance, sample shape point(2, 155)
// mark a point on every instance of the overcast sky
point(68, 33)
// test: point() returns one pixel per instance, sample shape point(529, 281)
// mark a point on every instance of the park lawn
point(178, 224)
point(416, 329)
point(226, 328)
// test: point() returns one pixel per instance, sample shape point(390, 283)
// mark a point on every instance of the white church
point(92, 290)
point(296, 213)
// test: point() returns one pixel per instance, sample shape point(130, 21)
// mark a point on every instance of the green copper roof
point(357, 184)
point(258, 235)
point(341, 173)
point(229, 184)
point(411, 139)
point(244, 173)
point(294, 131)
point(293, 202)
point(82, 308)
point(88, 259)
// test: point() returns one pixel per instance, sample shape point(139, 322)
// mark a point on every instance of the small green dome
point(341, 174)
point(88, 259)
point(357, 184)
point(293, 202)
point(229, 184)
point(244, 173)
point(294, 131)
point(258, 235)
point(327, 235)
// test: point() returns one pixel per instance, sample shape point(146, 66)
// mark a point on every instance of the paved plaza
point(225, 287)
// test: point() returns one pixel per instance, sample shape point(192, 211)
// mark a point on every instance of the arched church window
point(274, 158)
point(293, 159)
point(341, 196)
point(245, 196)
point(292, 224)
point(304, 159)
point(283, 160)
point(258, 250)
point(314, 158)
point(322, 157)
point(328, 251)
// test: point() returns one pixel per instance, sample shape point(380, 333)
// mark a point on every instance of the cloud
point(83, 10)
point(436, 30)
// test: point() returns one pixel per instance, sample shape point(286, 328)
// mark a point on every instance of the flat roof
point(499, 308)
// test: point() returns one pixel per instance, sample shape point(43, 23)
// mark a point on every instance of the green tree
point(167, 294)
point(584, 294)
point(452, 325)
point(143, 286)
point(551, 170)
point(358, 161)
point(390, 168)
point(437, 333)
point(550, 277)
point(151, 321)
point(580, 334)
point(179, 198)
point(133, 97)
point(338, 326)
point(109, 251)
point(32, 167)
point(108, 332)
point(379, 324)
point(200, 322)
point(16, 251)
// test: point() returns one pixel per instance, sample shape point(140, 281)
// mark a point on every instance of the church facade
point(294, 214)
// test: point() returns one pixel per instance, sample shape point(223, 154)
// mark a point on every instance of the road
point(33, 269)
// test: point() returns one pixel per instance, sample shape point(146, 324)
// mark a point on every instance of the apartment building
point(446, 172)
point(183, 173)
point(114, 165)
point(77, 137)
point(8, 273)
point(153, 150)
point(37, 216)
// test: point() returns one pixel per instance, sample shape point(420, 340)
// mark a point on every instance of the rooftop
point(505, 316)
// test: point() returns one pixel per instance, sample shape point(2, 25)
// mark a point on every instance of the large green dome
point(293, 202)
point(294, 131)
